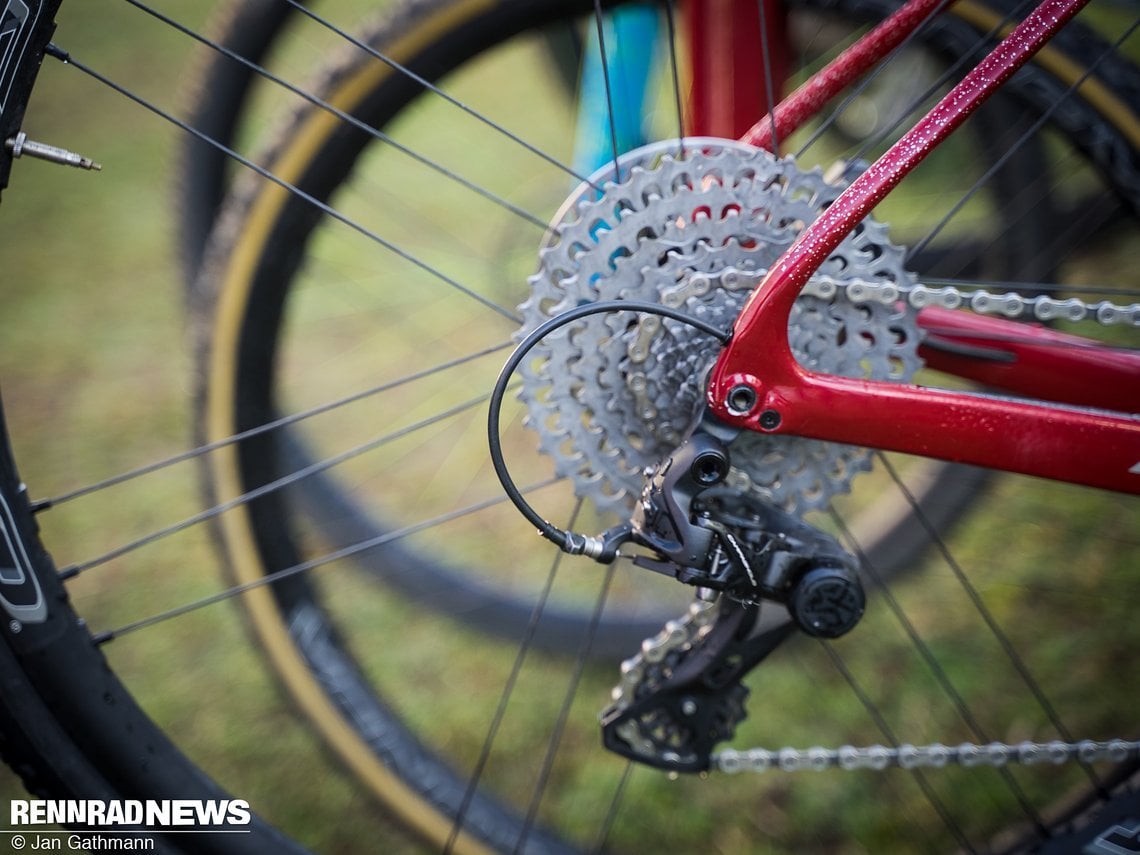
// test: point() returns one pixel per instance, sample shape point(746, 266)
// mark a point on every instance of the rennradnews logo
point(150, 813)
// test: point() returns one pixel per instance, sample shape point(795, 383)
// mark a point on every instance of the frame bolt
point(709, 467)
point(769, 420)
point(740, 399)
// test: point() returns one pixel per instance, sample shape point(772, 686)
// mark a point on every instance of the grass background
point(97, 378)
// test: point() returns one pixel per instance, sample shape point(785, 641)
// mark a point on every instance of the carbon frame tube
point(783, 397)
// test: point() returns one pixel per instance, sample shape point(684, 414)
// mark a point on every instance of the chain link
point(1009, 305)
point(934, 756)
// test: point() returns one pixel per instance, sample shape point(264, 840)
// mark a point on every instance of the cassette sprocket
point(695, 227)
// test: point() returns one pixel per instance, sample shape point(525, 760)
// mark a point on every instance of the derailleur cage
point(676, 724)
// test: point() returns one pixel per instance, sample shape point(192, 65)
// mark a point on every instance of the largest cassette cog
point(695, 226)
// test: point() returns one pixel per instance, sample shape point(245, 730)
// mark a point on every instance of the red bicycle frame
point(758, 384)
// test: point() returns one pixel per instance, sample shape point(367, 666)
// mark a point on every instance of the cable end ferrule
point(602, 548)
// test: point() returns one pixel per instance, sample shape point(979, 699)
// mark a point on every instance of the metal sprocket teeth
point(610, 395)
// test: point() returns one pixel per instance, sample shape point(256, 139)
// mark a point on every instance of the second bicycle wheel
point(372, 311)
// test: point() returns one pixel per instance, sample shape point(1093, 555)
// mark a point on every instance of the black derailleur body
point(711, 536)
point(705, 533)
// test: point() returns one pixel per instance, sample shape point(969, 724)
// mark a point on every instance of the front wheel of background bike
point(301, 297)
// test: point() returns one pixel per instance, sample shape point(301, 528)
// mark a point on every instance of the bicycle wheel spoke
point(306, 566)
point(607, 824)
point(912, 107)
point(324, 207)
point(946, 78)
point(928, 656)
point(272, 487)
point(555, 740)
point(375, 133)
point(267, 427)
point(430, 87)
point(506, 694)
point(1017, 144)
point(1016, 660)
point(876, 715)
point(674, 72)
point(766, 61)
point(599, 27)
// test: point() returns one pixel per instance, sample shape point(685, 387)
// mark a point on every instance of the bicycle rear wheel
point(344, 518)
point(275, 263)
point(576, 795)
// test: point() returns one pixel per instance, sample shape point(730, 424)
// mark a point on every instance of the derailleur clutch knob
point(827, 602)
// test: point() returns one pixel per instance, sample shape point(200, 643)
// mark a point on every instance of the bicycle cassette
point(695, 229)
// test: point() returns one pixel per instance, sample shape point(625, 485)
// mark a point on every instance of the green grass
point(98, 377)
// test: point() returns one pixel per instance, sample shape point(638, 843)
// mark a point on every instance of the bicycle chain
point(933, 756)
point(1009, 305)
point(646, 238)
point(662, 653)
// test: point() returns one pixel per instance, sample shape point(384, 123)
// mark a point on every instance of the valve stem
point(20, 145)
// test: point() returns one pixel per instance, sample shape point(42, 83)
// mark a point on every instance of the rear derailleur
point(683, 694)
